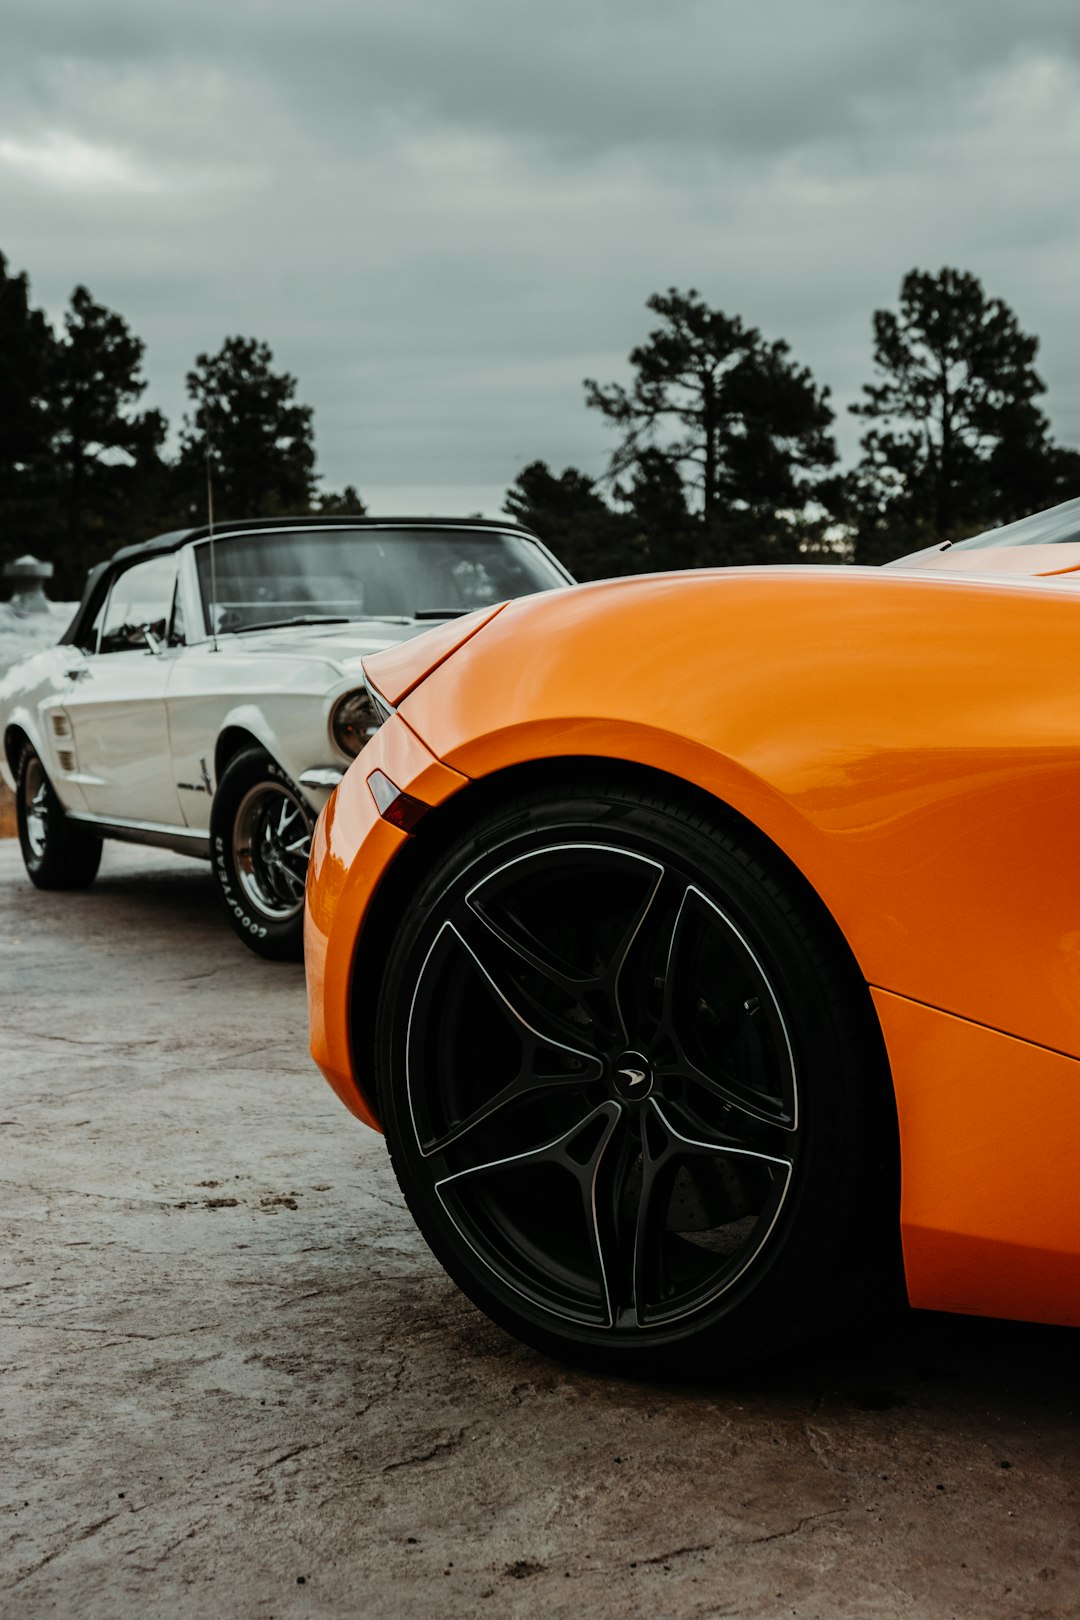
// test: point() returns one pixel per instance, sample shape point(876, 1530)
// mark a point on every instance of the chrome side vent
point(61, 724)
point(66, 759)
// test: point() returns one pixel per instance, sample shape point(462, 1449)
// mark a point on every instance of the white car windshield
point(274, 577)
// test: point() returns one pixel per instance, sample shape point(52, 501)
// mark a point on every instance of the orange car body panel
point(990, 1152)
point(351, 849)
point(911, 741)
point(399, 670)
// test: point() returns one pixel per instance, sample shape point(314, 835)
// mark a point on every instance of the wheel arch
point(438, 829)
point(16, 738)
point(232, 740)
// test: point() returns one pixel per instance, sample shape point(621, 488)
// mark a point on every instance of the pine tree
point(103, 450)
point(259, 441)
point(570, 516)
point(347, 503)
point(962, 444)
point(743, 427)
point(26, 345)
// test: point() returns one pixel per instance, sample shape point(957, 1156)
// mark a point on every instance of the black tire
point(632, 1086)
point(260, 841)
point(57, 852)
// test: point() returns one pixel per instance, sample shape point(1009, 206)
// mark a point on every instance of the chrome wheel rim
point(601, 1087)
point(271, 847)
point(36, 808)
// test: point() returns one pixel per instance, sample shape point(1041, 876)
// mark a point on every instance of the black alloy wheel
point(630, 1085)
point(57, 852)
point(260, 841)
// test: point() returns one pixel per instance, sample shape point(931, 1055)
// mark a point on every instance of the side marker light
point(398, 808)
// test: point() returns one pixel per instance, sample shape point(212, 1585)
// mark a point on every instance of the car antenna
point(210, 528)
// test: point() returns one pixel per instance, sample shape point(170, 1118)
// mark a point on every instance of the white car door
point(116, 702)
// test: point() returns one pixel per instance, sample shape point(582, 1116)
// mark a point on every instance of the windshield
point(282, 576)
point(1056, 527)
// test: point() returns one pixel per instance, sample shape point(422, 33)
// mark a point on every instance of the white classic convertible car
point(208, 696)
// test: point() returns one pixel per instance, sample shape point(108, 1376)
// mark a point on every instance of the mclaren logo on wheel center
point(632, 1078)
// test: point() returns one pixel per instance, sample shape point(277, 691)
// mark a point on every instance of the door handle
point(76, 672)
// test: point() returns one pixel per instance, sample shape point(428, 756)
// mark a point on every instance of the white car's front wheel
point(57, 852)
point(260, 841)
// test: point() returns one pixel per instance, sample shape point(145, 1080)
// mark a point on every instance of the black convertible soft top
point(100, 578)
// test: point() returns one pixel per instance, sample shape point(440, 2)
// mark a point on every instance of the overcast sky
point(443, 214)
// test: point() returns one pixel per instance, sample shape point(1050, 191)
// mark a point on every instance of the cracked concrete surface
point(235, 1383)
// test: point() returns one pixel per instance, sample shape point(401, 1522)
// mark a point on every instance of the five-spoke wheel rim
point(35, 789)
point(601, 1086)
point(271, 846)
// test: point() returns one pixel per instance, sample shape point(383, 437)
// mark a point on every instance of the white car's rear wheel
point(260, 833)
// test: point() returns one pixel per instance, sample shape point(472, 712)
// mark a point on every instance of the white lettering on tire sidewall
point(257, 929)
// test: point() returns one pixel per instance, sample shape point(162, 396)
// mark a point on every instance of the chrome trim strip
point(321, 776)
point(182, 840)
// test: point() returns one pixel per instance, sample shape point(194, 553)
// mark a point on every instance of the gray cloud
point(585, 77)
point(442, 217)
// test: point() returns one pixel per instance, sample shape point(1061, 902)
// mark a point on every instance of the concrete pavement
point(235, 1384)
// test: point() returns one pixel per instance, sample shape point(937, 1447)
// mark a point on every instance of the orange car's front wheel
point(630, 1083)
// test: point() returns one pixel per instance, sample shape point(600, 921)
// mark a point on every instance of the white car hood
point(343, 645)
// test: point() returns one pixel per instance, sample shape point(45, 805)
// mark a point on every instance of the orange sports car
point(704, 943)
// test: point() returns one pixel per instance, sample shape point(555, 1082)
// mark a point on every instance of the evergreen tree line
point(83, 469)
point(724, 452)
point(723, 449)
